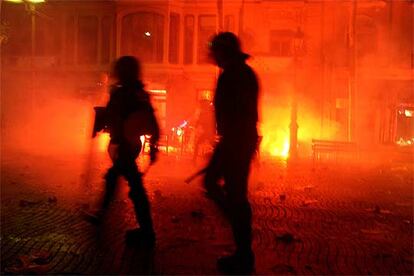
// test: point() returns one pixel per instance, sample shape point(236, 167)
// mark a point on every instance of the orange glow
point(405, 142)
point(275, 141)
point(275, 127)
point(103, 141)
point(179, 132)
point(158, 91)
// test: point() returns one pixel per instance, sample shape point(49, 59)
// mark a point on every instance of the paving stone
point(309, 221)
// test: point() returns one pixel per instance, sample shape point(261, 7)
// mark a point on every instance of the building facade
point(349, 64)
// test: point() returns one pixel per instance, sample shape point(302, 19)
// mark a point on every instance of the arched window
point(142, 35)
point(367, 36)
point(206, 29)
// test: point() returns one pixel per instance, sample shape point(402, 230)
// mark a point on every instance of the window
point(229, 23)
point(174, 44)
point(47, 38)
point(188, 39)
point(366, 35)
point(142, 35)
point(281, 43)
point(106, 30)
point(206, 29)
point(69, 40)
point(281, 48)
point(87, 40)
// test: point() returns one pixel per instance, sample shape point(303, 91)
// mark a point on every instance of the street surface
point(324, 219)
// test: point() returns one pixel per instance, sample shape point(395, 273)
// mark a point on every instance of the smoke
point(45, 119)
point(276, 119)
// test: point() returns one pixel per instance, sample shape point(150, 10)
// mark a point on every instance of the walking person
point(128, 115)
point(236, 113)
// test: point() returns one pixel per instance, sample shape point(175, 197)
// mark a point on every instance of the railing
point(333, 150)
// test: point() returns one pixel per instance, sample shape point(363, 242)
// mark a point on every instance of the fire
point(276, 131)
point(275, 142)
point(103, 141)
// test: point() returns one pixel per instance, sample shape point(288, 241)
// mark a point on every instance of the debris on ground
point(282, 197)
point(91, 217)
point(34, 263)
point(40, 257)
point(309, 202)
point(283, 269)
point(286, 238)
point(378, 210)
point(181, 242)
point(197, 214)
point(382, 256)
point(84, 206)
point(175, 219)
point(52, 199)
point(308, 188)
point(27, 203)
point(404, 204)
point(308, 267)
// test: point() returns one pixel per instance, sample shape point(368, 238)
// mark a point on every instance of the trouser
point(124, 165)
point(199, 140)
point(231, 161)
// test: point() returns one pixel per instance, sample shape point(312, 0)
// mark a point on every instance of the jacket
point(130, 114)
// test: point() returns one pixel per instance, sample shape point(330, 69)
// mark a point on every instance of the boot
point(138, 237)
point(95, 218)
point(240, 263)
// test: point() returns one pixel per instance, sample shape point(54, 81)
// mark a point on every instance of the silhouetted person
point(204, 126)
point(236, 113)
point(129, 114)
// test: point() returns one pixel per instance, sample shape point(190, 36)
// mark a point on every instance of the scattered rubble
point(287, 238)
point(175, 219)
point(308, 188)
point(378, 210)
point(309, 202)
point(283, 269)
point(34, 263)
point(197, 214)
point(52, 199)
point(28, 203)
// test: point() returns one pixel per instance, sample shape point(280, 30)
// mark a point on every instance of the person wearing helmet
point(236, 113)
point(129, 114)
point(203, 127)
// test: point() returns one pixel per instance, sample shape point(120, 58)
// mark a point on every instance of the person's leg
point(238, 206)
point(145, 234)
point(139, 198)
point(111, 179)
point(238, 210)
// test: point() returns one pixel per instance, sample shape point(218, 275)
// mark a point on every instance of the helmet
point(228, 44)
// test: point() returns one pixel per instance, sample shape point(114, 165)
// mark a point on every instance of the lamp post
point(298, 49)
point(30, 6)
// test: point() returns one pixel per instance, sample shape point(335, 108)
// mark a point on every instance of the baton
point(195, 175)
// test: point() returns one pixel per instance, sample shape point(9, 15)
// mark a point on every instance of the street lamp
point(298, 48)
point(31, 8)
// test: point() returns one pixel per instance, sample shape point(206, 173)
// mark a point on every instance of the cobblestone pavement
point(323, 220)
